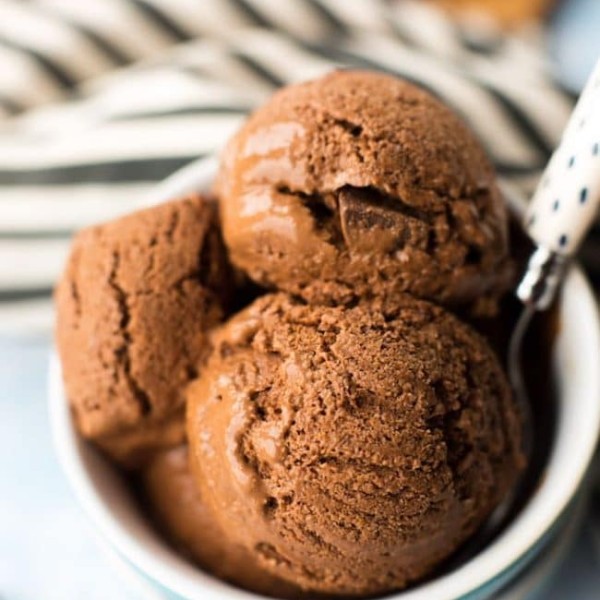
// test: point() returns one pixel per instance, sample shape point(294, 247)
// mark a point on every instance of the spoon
point(560, 214)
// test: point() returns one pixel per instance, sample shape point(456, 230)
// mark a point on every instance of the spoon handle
point(566, 201)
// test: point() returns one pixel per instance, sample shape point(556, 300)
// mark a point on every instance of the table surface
point(47, 548)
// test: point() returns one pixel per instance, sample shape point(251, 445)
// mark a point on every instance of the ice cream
point(133, 307)
point(347, 433)
point(361, 185)
point(174, 501)
point(351, 450)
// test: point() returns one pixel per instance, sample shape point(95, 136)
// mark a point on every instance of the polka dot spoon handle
point(566, 201)
point(561, 212)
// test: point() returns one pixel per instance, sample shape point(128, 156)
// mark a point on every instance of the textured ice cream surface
point(173, 500)
point(351, 450)
point(133, 307)
point(362, 185)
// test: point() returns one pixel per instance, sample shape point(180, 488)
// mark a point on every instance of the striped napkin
point(101, 99)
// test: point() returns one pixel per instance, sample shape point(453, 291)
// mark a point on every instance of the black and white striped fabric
point(101, 99)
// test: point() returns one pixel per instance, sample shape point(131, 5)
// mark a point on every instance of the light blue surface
point(47, 548)
point(575, 42)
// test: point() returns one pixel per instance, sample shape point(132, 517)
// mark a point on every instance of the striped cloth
point(101, 99)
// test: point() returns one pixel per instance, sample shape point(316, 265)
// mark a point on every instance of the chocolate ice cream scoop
point(133, 307)
point(349, 450)
point(362, 185)
point(174, 501)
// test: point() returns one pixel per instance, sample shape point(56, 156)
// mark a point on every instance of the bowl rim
point(484, 570)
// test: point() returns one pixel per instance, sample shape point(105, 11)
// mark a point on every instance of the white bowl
point(108, 502)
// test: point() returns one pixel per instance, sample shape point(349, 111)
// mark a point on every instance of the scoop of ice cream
point(362, 185)
point(173, 500)
point(349, 450)
point(133, 307)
